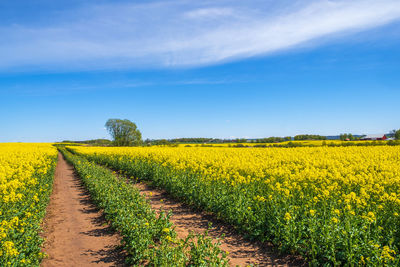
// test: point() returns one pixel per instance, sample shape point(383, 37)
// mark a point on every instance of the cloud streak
point(182, 34)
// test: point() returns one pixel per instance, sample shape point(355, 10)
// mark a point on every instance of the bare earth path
point(241, 251)
point(76, 232)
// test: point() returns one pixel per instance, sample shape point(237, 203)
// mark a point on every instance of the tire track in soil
point(75, 230)
point(242, 252)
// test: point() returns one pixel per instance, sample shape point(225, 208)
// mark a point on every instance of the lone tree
point(124, 132)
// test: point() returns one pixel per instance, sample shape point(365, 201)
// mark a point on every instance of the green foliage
point(397, 135)
point(347, 137)
point(161, 142)
point(309, 137)
point(191, 140)
point(95, 142)
point(273, 139)
point(124, 132)
point(148, 238)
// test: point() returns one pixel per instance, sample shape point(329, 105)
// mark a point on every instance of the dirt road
point(75, 231)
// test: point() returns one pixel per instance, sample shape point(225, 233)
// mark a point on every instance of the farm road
point(242, 252)
point(75, 231)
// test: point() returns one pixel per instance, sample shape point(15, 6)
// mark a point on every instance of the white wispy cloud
point(180, 33)
point(209, 13)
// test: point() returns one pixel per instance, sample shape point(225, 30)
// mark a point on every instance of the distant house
point(374, 137)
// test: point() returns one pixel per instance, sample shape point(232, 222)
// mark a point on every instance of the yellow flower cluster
point(327, 188)
point(21, 167)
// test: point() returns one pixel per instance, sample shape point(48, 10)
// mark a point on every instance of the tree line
point(303, 137)
point(126, 133)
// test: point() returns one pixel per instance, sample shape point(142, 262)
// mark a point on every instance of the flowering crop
point(147, 238)
point(337, 205)
point(26, 175)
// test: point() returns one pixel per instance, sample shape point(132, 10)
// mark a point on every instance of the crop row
point(334, 205)
point(148, 238)
point(26, 178)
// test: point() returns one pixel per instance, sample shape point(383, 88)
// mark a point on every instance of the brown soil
point(242, 252)
point(75, 231)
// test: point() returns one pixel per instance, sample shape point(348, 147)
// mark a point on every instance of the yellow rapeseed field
point(26, 173)
point(332, 204)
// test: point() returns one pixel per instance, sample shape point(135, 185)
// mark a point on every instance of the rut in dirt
point(242, 252)
point(75, 231)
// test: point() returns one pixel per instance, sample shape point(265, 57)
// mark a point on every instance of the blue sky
point(207, 69)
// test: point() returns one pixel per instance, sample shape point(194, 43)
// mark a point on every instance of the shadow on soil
point(190, 218)
point(112, 254)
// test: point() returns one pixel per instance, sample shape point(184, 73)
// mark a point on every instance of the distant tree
point(124, 132)
point(98, 142)
point(191, 140)
point(287, 138)
point(391, 134)
point(397, 135)
point(309, 137)
point(347, 137)
point(272, 139)
point(162, 142)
